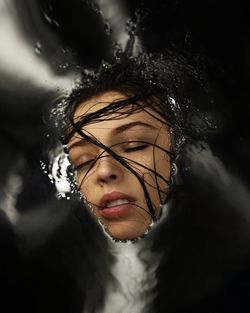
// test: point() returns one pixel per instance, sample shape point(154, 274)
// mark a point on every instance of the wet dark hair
point(155, 82)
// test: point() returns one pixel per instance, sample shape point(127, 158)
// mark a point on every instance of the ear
point(175, 175)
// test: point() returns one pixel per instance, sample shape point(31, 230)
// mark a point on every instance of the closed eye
point(84, 165)
point(135, 148)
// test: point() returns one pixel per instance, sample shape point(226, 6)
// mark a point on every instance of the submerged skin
point(109, 177)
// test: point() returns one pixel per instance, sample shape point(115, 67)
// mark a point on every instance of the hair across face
point(122, 164)
point(122, 129)
point(152, 84)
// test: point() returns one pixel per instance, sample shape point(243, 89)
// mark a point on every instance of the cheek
point(159, 165)
point(163, 165)
point(85, 190)
point(84, 183)
point(80, 181)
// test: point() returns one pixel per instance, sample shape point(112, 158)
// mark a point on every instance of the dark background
point(73, 33)
point(37, 274)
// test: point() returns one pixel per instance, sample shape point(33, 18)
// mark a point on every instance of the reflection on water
point(20, 56)
point(196, 258)
point(132, 290)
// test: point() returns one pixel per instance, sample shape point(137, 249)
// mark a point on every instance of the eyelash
point(84, 165)
point(136, 148)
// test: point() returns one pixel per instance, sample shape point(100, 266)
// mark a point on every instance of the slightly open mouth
point(117, 209)
point(116, 203)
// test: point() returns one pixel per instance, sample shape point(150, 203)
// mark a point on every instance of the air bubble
point(107, 28)
point(131, 27)
point(50, 20)
point(186, 169)
point(38, 48)
point(64, 66)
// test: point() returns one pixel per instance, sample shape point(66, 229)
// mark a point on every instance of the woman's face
point(113, 191)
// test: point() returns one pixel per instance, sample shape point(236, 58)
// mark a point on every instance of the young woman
point(126, 131)
point(122, 143)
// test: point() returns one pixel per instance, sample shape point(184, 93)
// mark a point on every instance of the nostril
point(106, 179)
point(113, 176)
point(108, 172)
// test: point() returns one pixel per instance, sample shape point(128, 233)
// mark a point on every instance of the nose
point(108, 171)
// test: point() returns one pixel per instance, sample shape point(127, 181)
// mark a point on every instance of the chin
point(124, 231)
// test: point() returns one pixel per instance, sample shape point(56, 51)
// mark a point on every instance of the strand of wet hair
point(119, 159)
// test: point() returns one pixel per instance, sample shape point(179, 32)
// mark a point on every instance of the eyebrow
point(124, 127)
point(79, 143)
point(115, 131)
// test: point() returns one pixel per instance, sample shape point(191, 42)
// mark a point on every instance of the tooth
point(116, 202)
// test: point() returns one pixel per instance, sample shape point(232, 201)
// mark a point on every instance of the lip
point(117, 211)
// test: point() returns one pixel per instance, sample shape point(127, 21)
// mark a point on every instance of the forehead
point(98, 102)
point(144, 122)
